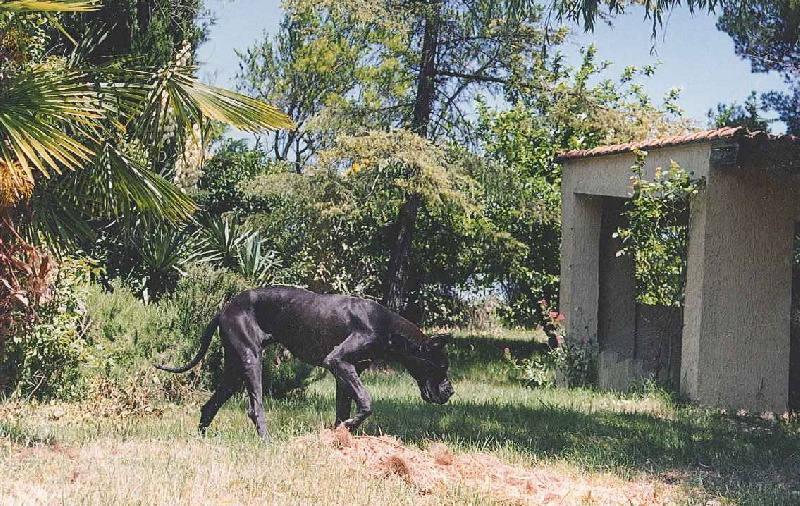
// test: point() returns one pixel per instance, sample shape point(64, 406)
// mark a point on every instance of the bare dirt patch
point(436, 468)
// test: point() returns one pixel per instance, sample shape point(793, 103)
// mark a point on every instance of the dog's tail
point(204, 344)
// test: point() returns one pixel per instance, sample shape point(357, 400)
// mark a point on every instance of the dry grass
point(433, 471)
point(328, 467)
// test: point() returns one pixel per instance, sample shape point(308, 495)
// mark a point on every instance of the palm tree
point(72, 138)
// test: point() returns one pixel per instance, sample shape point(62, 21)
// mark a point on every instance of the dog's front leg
point(348, 384)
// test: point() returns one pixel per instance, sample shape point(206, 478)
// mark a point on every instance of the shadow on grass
point(749, 460)
point(730, 455)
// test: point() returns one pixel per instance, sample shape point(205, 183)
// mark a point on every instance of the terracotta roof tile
point(704, 136)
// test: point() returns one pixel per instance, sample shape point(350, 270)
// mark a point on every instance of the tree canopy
point(767, 33)
point(587, 12)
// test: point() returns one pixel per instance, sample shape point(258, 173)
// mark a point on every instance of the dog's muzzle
point(436, 393)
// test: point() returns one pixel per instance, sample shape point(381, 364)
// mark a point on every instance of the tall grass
point(64, 453)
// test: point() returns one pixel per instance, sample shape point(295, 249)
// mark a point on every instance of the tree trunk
point(395, 295)
point(396, 288)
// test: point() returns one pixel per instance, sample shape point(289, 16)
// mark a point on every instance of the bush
point(569, 362)
point(125, 332)
point(571, 365)
point(42, 360)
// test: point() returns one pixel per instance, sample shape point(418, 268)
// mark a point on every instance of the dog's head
point(430, 370)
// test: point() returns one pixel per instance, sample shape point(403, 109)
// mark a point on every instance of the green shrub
point(571, 364)
point(43, 360)
point(125, 332)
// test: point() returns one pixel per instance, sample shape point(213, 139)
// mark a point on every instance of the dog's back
point(310, 325)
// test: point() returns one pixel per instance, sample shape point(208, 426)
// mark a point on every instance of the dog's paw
point(347, 424)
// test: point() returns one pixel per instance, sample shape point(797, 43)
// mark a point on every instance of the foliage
point(257, 263)
point(570, 365)
point(25, 276)
point(734, 115)
point(42, 358)
point(586, 12)
point(325, 227)
point(312, 64)
point(418, 165)
point(125, 333)
point(150, 30)
point(154, 255)
point(656, 233)
point(74, 141)
point(368, 75)
point(233, 162)
point(238, 248)
point(768, 34)
point(568, 362)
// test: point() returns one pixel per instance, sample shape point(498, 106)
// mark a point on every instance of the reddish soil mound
point(437, 467)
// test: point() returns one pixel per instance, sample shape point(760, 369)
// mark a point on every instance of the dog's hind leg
point(245, 338)
point(252, 382)
point(343, 400)
point(228, 384)
point(343, 403)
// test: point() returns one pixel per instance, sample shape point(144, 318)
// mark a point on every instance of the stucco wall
point(610, 175)
point(736, 330)
point(580, 230)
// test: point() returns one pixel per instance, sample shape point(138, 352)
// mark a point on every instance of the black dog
point(343, 334)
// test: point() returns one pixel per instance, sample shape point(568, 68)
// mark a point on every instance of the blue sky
point(696, 57)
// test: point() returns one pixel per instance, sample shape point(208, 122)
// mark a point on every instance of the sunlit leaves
point(657, 231)
point(423, 166)
point(49, 5)
point(33, 110)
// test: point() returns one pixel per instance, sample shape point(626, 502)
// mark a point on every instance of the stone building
point(732, 344)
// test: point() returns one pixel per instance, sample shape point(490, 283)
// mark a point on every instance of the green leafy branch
point(656, 234)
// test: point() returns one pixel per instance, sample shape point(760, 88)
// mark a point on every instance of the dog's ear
point(439, 340)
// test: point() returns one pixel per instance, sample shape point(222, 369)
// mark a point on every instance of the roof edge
point(675, 140)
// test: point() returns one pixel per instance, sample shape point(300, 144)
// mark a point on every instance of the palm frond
point(176, 99)
point(50, 5)
point(34, 107)
point(235, 109)
point(134, 186)
point(58, 217)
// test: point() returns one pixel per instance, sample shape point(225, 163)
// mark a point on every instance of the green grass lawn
point(65, 453)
